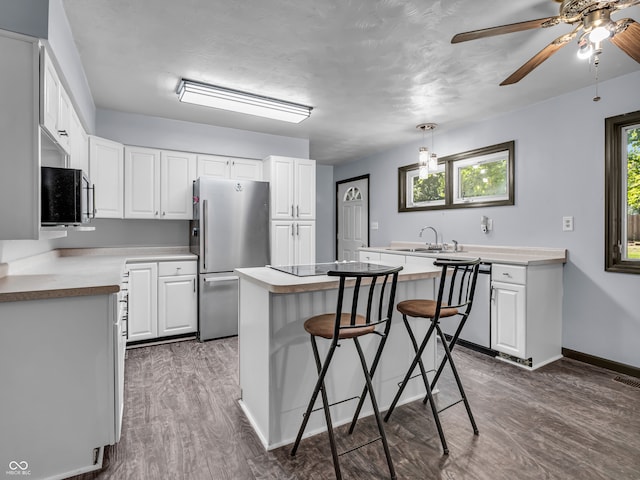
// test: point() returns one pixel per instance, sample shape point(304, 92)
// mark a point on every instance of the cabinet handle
point(63, 133)
point(493, 295)
point(292, 210)
point(156, 213)
point(298, 229)
point(506, 274)
point(164, 213)
point(292, 230)
point(93, 191)
point(194, 285)
point(298, 211)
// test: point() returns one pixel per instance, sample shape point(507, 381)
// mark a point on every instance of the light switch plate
point(374, 225)
point(567, 224)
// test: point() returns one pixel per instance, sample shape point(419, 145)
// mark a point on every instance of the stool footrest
point(360, 446)
point(336, 403)
point(449, 406)
point(418, 375)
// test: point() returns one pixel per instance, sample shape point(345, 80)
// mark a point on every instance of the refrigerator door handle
point(204, 234)
point(219, 279)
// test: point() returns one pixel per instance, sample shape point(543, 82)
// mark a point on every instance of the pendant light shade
point(427, 160)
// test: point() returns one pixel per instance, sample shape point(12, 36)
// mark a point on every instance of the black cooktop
point(323, 268)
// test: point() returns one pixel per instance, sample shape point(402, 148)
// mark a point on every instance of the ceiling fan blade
point(627, 37)
point(512, 27)
point(540, 57)
point(625, 4)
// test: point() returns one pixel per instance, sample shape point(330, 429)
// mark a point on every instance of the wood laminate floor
point(565, 421)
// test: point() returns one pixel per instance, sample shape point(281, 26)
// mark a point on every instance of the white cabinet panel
point(78, 144)
point(365, 256)
point(305, 189)
point(282, 243)
point(143, 301)
point(106, 168)
point(177, 305)
point(305, 240)
point(229, 167)
point(141, 182)
point(177, 173)
point(158, 183)
point(281, 178)
point(508, 318)
point(213, 166)
point(245, 169)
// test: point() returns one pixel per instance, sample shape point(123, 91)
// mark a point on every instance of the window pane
point(481, 179)
point(426, 191)
point(631, 192)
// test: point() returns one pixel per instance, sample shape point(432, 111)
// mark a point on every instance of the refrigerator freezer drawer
point(218, 305)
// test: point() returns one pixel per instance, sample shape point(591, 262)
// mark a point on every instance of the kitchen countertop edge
point(77, 272)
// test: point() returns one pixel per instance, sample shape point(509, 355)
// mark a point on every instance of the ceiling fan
point(592, 22)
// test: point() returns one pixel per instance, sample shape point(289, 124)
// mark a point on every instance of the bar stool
point(455, 299)
point(379, 282)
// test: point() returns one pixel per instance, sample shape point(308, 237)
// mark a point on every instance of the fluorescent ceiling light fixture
point(241, 102)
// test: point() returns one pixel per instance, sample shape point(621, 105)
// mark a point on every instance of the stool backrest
point(380, 290)
point(457, 284)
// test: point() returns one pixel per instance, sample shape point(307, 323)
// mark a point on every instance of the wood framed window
point(477, 178)
point(622, 193)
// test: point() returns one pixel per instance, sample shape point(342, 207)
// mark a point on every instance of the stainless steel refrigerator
point(230, 229)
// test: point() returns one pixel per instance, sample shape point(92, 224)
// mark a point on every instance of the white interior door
point(352, 207)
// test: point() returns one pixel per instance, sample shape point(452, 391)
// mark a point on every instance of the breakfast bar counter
point(277, 370)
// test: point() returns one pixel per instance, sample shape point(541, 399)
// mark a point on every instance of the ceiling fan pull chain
point(596, 62)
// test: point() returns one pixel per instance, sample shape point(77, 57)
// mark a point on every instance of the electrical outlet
point(567, 224)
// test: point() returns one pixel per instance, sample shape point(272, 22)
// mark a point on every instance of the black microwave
point(67, 198)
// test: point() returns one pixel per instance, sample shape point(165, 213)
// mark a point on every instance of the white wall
point(143, 130)
point(325, 214)
point(29, 17)
point(559, 171)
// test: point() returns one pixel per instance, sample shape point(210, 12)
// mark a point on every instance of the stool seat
point(424, 308)
point(324, 326)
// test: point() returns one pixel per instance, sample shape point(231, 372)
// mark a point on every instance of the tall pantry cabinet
point(293, 209)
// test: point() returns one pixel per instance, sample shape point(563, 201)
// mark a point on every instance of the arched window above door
point(352, 194)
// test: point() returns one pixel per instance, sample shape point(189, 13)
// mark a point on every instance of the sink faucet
point(435, 232)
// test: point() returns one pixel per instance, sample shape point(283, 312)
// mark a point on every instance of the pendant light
point(427, 160)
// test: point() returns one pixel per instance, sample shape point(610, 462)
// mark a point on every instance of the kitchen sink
point(419, 249)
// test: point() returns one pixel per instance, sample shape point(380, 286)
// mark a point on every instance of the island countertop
point(76, 272)
point(279, 282)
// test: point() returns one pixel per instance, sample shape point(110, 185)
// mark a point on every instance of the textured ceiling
point(372, 70)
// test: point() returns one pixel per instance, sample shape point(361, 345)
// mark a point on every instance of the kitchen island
point(277, 370)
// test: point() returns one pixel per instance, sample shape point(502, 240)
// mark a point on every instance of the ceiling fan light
point(599, 34)
point(585, 50)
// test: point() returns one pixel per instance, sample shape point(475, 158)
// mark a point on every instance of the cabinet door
point(305, 238)
point(141, 181)
point(143, 301)
point(508, 322)
point(246, 169)
point(282, 243)
point(177, 305)
point(365, 256)
point(281, 178)
point(177, 173)
point(305, 189)
point(213, 166)
point(50, 96)
point(78, 144)
point(106, 168)
point(64, 115)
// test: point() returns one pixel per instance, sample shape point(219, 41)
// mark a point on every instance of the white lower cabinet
point(163, 299)
point(526, 313)
point(293, 243)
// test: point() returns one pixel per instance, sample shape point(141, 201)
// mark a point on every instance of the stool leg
point(365, 390)
point(415, 361)
point(415, 349)
point(447, 352)
point(376, 412)
point(320, 388)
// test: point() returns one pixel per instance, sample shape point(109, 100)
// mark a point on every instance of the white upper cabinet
point(158, 184)
point(106, 169)
point(177, 173)
point(229, 167)
point(293, 187)
point(78, 145)
point(55, 105)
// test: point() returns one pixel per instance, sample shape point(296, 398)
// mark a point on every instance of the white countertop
point(488, 254)
point(280, 282)
point(75, 272)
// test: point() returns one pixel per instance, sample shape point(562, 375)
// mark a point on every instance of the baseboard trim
point(602, 362)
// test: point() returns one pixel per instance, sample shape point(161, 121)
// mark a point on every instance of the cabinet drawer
point(509, 274)
point(166, 269)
